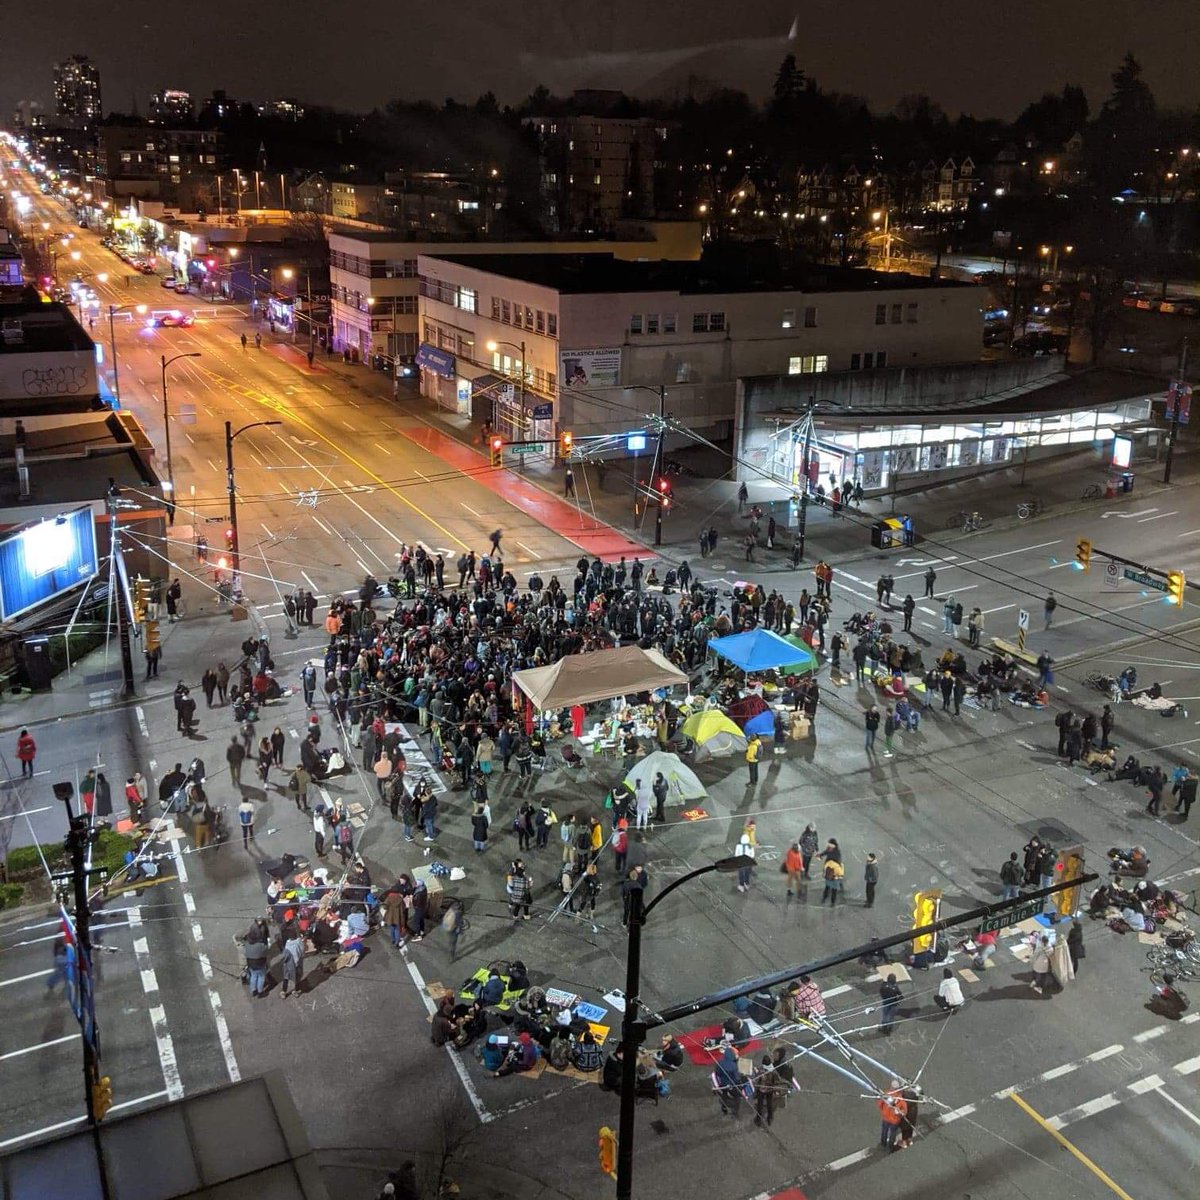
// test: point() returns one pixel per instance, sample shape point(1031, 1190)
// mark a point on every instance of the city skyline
point(1038, 50)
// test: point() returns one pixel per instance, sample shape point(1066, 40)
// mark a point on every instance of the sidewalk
point(703, 502)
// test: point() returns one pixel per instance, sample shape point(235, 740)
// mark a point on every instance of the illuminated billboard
point(43, 560)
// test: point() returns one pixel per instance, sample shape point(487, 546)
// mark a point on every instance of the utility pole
point(1177, 405)
point(166, 362)
point(658, 461)
point(120, 580)
point(805, 460)
point(235, 559)
point(77, 841)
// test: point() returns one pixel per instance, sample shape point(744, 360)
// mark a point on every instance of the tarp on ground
point(715, 735)
point(684, 784)
point(760, 650)
point(762, 723)
point(749, 706)
point(597, 675)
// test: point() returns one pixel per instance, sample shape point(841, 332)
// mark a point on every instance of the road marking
point(1147, 1034)
point(927, 611)
point(70, 1037)
point(1002, 608)
point(946, 564)
point(531, 553)
point(470, 509)
point(324, 527)
point(48, 1129)
point(226, 1041)
point(1088, 1109)
point(955, 1113)
point(141, 720)
point(840, 1164)
point(1141, 1086)
point(455, 1058)
point(149, 981)
point(837, 991)
point(1062, 1141)
point(309, 582)
point(348, 425)
point(1188, 1066)
point(383, 448)
point(1187, 1112)
point(1058, 1072)
point(1107, 1052)
point(26, 978)
point(1159, 516)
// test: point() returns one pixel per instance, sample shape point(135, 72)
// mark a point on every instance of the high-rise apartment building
point(170, 106)
point(77, 89)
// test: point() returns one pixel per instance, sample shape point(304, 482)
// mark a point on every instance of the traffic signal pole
point(658, 461)
point(1173, 431)
point(77, 841)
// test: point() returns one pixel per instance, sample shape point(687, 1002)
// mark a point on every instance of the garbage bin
point(1127, 481)
point(37, 663)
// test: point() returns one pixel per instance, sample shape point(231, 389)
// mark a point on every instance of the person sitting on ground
point(670, 1053)
point(492, 1053)
point(610, 1075)
point(949, 996)
point(587, 1053)
point(518, 977)
point(522, 1056)
point(470, 1021)
point(807, 1000)
point(493, 989)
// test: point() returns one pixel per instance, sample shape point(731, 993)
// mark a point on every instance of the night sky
point(986, 58)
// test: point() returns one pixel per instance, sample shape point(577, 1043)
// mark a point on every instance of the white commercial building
point(585, 336)
point(373, 276)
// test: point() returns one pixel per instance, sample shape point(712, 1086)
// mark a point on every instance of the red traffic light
point(210, 262)
point(664, 486)
point(497, 444)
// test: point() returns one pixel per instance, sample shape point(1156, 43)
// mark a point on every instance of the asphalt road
point(960, 794)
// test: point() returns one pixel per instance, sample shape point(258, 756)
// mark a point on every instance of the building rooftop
point(715, 274)
point(29, 325)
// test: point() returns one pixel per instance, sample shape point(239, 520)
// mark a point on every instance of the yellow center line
point(281, 408)
point(1062, 1141)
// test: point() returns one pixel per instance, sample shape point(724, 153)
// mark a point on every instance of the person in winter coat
point(870, 879)
point(395, 915)
point(793, 863)
point(479, 829)
point(1075, 944)
point(1041, 965)
point(103, 805)
point(293, 964)
point(320, 831)
point(26, 753)
point(519, 889)
point(809, 841)
point(834, 874)
point(429, 809)
point(256, 948)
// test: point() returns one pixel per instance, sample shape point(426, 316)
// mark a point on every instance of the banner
point(589, 368)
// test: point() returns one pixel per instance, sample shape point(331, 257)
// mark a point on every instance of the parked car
point(174, 318)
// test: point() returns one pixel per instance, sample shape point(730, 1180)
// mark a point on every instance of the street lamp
point(166, 362)
point(113, 309)
point(495, 345)
point(235, 556)
point(633, 1029)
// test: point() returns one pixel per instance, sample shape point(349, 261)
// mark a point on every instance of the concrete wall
point(55, 375)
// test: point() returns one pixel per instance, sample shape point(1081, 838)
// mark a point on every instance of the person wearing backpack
point(566, 833)
point(1011, 878)
point(345, 840)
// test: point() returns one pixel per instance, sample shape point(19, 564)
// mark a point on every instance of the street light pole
point(633, 1028)
point(112, 343)
point(804, 481)
point(1174, 429)
point(658, 459)
point(166, 362)
point(234, 555)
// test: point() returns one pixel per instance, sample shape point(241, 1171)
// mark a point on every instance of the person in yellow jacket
point(753, 754)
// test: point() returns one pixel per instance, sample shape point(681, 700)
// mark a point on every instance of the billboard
point(42, 560)
point(589, 368)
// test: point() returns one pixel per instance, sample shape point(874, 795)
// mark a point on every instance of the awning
point(440, 362)
point(599, 675)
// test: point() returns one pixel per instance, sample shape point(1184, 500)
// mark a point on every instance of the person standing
point(320, 831)
point(1041, 965)
point(1048, 607)
point(768, 1088)
point(293, 964)
point(793, 864)
point(620, 845)
point(1075, 945)
point(660, 787)
point(222, 683)
point(1107, 721)
point(871, 726)
point(747, 847)
point(870, 879)
point(890, 725)
point(246, 820)
point(909, 607)
point(256, 948)
point(743, 495)
point(809, 841)
point(479, 829)
point(1184, 791)
point(949, 605)
point(519, 889)
point(930, 580)
point(975, 623)
point(889, 994)
point(892, 1109)
point(834, 874)
point(26, 753)
point(569, 482)
point(753, 754)
point(298, 787)
point(208, 685)
point(1011, 878)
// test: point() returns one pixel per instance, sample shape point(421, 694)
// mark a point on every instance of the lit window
point(808, 364)
point(528, 317)
point(596, 180)
point(789, 318)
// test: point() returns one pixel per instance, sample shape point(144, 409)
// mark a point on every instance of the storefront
point(440, 380)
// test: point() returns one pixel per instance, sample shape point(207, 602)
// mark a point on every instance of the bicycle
point(1093, 491)
point(968, 522)
point(1029, 508)
point(1174, 962)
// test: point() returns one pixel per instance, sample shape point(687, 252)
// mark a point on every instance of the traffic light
point(229, 538)
point(141, 598)
point(153, 637)
point(1175, 586)
point(608, 1151)
point(926, 907)
point(665, 494)
point(1083, 553)
point(102, 1096)
point(564, 444)
point(1068, 865)
point(496, 446)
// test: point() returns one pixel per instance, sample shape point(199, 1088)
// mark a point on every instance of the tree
point(1123, 137)
point(789, 83)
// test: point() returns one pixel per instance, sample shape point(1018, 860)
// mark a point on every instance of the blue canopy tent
point(762, 650)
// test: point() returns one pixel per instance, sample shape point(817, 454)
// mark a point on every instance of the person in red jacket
point(26, 752)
